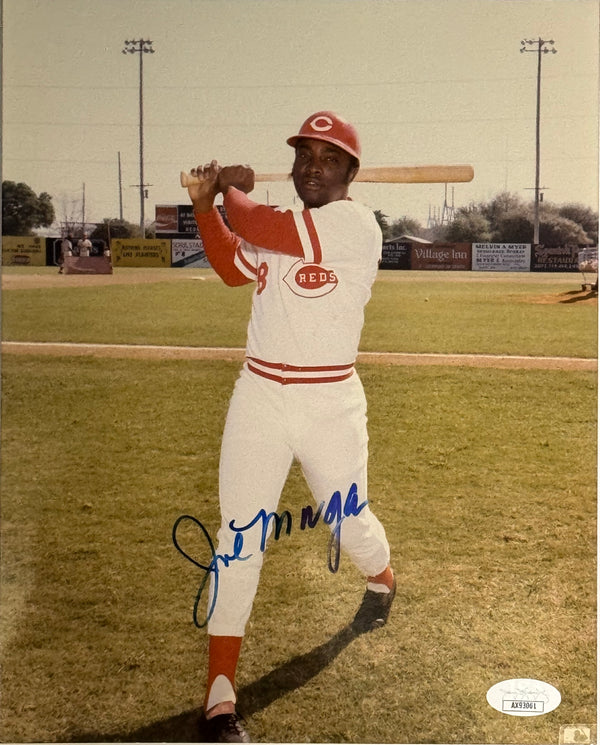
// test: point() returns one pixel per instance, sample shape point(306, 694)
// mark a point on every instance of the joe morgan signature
point(334, 514)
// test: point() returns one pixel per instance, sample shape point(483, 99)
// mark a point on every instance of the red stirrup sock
point(385, 578)
point(223, 655)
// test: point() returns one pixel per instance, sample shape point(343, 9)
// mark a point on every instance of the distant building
point(409, 239)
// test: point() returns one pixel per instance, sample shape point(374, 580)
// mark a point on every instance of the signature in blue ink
point(334, 514)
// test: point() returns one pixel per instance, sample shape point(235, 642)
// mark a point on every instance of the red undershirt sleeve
point(261, 225)
point(220, 245)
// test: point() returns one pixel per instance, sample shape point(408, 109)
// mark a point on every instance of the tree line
point(504, 219)
point(23, 211)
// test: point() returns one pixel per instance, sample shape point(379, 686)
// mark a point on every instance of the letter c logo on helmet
point(328, 126)
point(321, 123)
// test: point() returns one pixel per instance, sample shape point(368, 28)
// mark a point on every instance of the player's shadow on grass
point(575, 296)
point(292, 674)
point(253, 697)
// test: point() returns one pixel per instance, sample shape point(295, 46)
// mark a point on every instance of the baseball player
point(84, 245)
point(298, 395)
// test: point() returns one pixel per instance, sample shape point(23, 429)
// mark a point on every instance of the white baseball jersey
point(308, 312)
point(298, 395)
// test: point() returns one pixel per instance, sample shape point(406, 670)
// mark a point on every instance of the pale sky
point(424, 81)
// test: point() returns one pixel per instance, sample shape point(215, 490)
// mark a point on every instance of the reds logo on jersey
point(310, 280)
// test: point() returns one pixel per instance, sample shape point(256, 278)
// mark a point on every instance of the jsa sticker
point(523, 697)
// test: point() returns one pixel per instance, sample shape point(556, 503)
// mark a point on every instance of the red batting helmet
point(327, 126)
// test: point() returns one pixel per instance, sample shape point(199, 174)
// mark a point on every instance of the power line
point(557, 159)
point(261, 125)
point(301, 86)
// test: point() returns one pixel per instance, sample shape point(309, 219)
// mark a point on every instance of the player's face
point(322, 172)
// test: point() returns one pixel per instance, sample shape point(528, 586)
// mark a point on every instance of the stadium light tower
point(539, 46)
point(141, 47)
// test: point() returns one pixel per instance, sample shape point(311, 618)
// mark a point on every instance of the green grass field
point(485, 480)
point(466, 312)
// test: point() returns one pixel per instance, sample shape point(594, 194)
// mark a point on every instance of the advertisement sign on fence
point(453, 256)
point(501, 257)
point(23, 251)
point(395, 255)
point(166, 218)
point(560, 259)
point(178, 221)
point(188, 252)
point(175, 220)
point(141, 252)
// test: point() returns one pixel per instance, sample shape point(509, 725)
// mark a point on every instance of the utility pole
point(120, 188)
point(82, 209)
point(141, 47)
point(539, 46)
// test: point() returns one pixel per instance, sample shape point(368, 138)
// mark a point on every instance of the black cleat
point(374, 610)
point(223, 728)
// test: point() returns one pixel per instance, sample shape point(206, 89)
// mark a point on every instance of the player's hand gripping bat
point(435, 174)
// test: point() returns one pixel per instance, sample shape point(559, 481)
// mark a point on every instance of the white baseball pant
point(323, 426)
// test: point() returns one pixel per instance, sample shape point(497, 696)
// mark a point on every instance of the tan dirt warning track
point(146, 351)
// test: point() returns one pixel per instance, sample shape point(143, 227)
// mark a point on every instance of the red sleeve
point(220, 245)
point(261, 225)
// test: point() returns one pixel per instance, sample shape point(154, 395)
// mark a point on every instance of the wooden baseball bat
point(436, 174)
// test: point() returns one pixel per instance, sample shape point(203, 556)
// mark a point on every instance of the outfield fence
point(186, 250)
